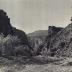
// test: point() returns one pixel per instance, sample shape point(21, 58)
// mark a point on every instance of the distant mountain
point(39, 33)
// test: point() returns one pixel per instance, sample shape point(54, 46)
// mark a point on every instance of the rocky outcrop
point(59, 41)
point(52, 31)
point(62, 42)
point(6, 29)
point(5, 26)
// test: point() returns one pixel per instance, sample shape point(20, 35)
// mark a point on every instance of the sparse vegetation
point(40, 51)
point(11, 45)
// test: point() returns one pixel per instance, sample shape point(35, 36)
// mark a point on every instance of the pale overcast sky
point(31, 15)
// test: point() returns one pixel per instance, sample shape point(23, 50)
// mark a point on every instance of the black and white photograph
point(35, 35)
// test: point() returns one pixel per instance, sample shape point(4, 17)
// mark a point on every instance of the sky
point(32, 15)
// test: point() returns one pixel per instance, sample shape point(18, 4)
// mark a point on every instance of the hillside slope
point(36, 39)
point(61, 44)
point(39, 33)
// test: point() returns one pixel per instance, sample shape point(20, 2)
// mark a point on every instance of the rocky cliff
point(52, 31)
point(8, 37)
point(61, 44)
point(5, 26)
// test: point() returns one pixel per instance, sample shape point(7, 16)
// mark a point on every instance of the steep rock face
point(52, 31)
point(6, 29)
point(62, 43)
point(5, 26)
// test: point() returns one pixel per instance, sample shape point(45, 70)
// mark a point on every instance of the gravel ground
point(64, 65)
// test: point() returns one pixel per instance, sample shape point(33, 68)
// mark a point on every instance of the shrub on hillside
point(11, 45)
point(7, 44)
point(22, 50)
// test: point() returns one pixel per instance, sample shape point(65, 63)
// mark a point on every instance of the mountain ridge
point(38, 33)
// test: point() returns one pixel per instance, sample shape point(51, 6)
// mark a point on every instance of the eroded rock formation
point(52, 31)
point(6, 29)
point(61, 45)
point(5, 26)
